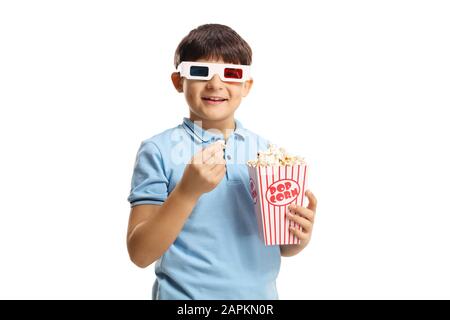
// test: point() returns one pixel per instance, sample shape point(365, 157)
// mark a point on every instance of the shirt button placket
point(231, 165)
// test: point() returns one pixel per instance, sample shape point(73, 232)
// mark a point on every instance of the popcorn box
point(273, 189)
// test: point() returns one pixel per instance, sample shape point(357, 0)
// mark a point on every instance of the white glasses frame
point(213, 68)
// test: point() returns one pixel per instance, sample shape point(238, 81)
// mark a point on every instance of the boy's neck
point(226, 126)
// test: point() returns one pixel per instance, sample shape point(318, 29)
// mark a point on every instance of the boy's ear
point(247, 86)
point(177, 81)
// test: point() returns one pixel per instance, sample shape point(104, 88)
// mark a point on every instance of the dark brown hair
point(213, 41)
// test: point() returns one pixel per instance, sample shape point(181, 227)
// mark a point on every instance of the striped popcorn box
point(273, 188)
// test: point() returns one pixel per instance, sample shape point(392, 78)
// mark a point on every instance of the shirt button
point(228, 157)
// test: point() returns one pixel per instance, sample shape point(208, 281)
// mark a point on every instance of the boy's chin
point(215, 115)
point(218, 116)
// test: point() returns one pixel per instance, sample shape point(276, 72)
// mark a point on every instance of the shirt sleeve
point(149, 184)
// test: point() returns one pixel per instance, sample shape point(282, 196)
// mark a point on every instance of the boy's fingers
point(211, 150)
point(303, 222)
point(220, 163)
point(203, 155)
point(312, 205)
point(302, 211)
point(218, 169)
point(216, 158)
point(298, 233)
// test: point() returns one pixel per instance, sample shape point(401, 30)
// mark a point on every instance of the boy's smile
point(212, 101)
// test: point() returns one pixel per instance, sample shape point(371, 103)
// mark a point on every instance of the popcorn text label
point(282, 192)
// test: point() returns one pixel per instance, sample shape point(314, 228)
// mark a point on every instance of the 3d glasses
point(205, 71)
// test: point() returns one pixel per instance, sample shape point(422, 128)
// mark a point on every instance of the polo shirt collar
point(201, 135)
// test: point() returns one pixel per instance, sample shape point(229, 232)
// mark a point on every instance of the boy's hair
point(213, 41)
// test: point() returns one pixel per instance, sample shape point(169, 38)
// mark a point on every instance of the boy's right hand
point(205, 171)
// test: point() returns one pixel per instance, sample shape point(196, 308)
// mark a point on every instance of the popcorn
point(277, 179)
point(222, 142)
point(275, 156)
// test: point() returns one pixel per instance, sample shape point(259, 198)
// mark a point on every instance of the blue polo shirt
point(217, 254)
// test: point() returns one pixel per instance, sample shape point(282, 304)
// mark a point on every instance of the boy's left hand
point(305, 218)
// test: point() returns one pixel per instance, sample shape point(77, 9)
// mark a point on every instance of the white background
point(360, 88)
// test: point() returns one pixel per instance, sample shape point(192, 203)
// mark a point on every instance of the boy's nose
point(215, 82)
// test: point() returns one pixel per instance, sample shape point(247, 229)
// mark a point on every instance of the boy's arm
point(153, 228)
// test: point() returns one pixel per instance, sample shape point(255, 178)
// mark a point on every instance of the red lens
point(233, 73)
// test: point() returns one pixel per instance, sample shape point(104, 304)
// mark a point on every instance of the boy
point(191, 206)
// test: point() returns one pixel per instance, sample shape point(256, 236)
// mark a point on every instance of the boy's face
point(214, 99)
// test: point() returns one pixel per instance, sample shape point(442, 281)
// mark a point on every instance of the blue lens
point(199, 71)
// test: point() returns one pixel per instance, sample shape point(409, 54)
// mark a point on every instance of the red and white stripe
point(272, 222)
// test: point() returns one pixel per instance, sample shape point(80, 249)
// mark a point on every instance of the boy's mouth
point(213, 99)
